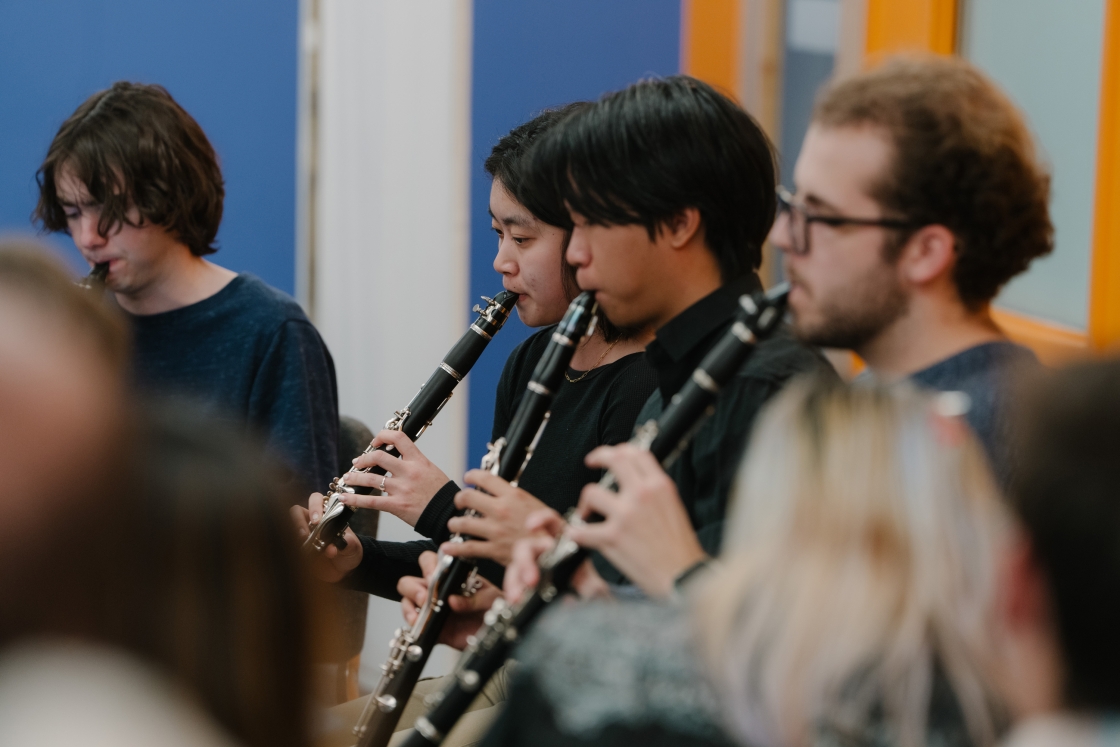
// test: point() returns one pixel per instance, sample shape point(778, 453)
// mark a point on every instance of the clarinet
point(416, 416)
point(666, 438)
point(507, 458)
point(95, 280)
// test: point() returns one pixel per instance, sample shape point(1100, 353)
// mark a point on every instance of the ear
point(1025, 598)
point(930, 254)
point(682, 228)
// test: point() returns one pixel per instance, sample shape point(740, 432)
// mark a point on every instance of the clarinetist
point(151, 215)
point(597, 403)
point(672, 248)
point(679, 270)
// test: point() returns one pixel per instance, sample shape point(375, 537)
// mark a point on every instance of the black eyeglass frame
point(787, 205)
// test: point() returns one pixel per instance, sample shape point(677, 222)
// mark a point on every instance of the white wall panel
point(389, 286)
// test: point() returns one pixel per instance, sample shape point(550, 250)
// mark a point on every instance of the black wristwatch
point(682, 579)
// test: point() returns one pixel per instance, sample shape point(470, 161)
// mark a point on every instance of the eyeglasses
point(800, 220)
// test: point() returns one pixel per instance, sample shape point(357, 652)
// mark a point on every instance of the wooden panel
point(710, 42)
point(1104, 290)
point(911, 25)
point(1053, 344)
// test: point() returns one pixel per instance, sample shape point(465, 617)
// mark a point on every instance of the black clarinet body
point(417, 415)
point(666, 438)
point(507, 458)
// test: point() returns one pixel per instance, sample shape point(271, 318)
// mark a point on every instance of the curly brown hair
point(132, 145)
point(964, 159)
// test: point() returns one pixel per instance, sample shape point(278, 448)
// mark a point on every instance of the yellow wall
point(710, 42)
point(911, 25)
point(1104, 292)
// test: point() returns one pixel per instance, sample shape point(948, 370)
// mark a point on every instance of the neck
point(596, 351)
point(929, 331)
point(694, 275)
point(182, 279)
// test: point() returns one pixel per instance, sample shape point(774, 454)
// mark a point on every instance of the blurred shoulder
point(108, 698)
point(631, 664)
point(260, 301)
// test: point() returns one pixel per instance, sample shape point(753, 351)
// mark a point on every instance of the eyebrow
point(517, 219)
point(70, 203)
point(813, 200)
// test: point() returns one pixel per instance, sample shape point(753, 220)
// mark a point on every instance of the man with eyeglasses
point(919, 195)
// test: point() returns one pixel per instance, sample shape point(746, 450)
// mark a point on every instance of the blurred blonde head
point(858, 561)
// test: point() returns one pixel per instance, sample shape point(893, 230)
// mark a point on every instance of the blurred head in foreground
point(162, 533)
point(212, 589)
point(189, 567)
point(1062, 611)
point(62, 361)
point(857, 586)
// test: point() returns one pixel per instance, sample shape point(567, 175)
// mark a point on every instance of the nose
point(86, 236)
point(780, 235)
point(578, 253)
point(505, 261)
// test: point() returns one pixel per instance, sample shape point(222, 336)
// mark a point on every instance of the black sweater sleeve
point(384, 563)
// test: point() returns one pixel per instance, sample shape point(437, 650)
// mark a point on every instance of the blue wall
point(232, 65)
point(529, 55)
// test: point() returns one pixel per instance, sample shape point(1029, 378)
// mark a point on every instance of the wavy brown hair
point(133, 146)
point(963, 158)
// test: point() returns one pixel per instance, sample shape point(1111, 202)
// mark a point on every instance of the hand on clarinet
point(411, 481)
point(522, 573)
point(466, 612)
point(646, 533)
point(504, 510)
point(331, 564)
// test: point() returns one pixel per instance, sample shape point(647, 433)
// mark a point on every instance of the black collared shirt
point(705, 471)
point(598, 408)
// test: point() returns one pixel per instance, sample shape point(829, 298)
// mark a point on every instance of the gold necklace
point(601, 357)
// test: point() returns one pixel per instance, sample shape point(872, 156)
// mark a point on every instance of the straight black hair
point(509, 164)
point(643, 154)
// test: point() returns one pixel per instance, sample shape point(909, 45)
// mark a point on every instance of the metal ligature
point(507, 458)
point(416, 416)
point(666, 438)
point(95, 280)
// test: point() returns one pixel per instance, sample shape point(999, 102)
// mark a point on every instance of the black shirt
point(705, 471)
point(599, 409)
point(250, 353)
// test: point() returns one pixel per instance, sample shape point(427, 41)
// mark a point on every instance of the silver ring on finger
point(381, 487)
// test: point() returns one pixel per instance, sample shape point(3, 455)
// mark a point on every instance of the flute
point(507, 458)
point(666, 438)
point(416, 416)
